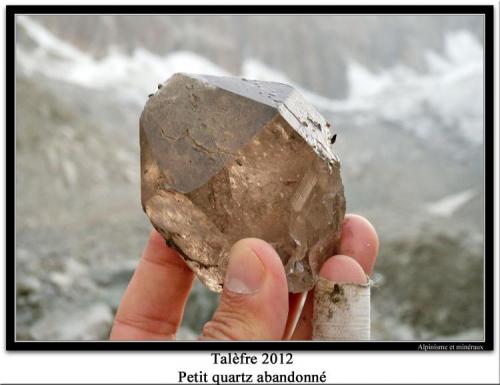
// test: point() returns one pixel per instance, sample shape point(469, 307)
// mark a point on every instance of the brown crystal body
point(227, 158)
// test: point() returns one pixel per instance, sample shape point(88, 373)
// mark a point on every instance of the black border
point(12, 10)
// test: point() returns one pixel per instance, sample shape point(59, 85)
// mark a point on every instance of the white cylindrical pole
point(341, 311)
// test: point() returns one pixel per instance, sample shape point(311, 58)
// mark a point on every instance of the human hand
point(255, 303)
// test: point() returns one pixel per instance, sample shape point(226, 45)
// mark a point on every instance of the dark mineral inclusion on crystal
point(226, 158)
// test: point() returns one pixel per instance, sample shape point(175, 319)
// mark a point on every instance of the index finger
point(153, 304)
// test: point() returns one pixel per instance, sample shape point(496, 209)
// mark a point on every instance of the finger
point(341, 309)
point(254, 302)
point(153, 304)
point(339, 269)
point(343, 269)
point(358, 240)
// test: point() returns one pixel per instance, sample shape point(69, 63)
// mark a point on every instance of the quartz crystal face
point(227, 158)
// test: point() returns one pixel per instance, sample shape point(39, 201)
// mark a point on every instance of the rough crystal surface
point(227, 158)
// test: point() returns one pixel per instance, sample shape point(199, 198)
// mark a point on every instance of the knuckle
point(233, 301)
point(216, 331)
point(229, 325)
point(232, 320)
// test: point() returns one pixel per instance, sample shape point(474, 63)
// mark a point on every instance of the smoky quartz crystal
point(225, 158)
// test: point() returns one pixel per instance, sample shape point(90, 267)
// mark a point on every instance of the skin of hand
point(255, 303)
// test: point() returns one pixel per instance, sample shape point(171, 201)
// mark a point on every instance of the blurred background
point(405, 94)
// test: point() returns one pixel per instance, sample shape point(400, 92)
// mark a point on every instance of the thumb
point(254, 302)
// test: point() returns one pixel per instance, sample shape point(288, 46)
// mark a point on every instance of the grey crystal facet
point(226, 158)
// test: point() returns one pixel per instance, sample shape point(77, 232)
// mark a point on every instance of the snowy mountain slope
point(398, 94)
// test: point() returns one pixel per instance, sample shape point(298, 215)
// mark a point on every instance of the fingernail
point(245, 272)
